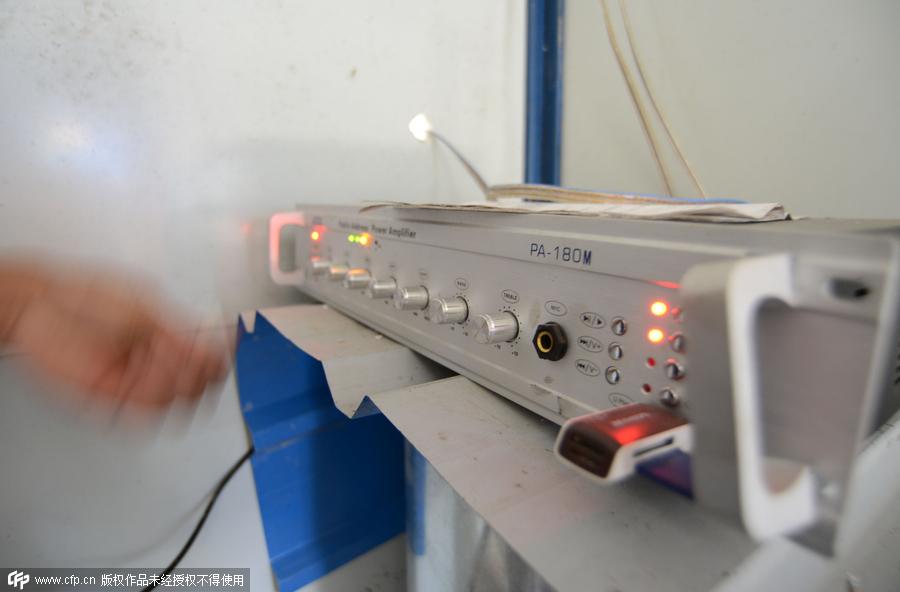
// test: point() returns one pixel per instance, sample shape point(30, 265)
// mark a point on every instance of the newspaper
point(713, 211)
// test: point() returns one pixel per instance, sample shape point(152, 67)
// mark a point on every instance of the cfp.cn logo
point(18, 579)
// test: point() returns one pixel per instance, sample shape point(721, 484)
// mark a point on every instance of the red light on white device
point(316, 234)
point(659, 308)
point(656, 335)
point(608, 445)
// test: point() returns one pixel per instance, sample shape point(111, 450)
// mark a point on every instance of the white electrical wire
point(476, 176)
point(421, 129)
point(635, 98)
point(637, 60)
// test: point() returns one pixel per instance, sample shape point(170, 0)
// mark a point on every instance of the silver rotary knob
point(319, 266)
point(381, 288)
point(357, 279)
point(337, 272)
point(448, 310)
point(411, 298)
point(496, 328)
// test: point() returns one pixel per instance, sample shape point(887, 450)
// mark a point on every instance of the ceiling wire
point(635, 99)
point(637, 60)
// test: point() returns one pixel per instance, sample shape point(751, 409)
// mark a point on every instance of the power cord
point(212, 502)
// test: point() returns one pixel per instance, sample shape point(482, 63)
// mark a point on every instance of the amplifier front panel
point(623, 334)
point(511, 289)
point(774, 342)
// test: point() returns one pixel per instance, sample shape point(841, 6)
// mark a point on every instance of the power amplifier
point(776, 341)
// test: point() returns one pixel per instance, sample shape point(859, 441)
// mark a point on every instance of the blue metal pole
point(543, 129)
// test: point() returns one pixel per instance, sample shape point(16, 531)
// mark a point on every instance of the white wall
point(159, 136)
point(772, 101)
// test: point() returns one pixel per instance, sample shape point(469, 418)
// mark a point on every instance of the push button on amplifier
point(668, 397)
point(619, 326)
point(613, 375)
point(676, 342)
point(674, 370)
point(615, 351)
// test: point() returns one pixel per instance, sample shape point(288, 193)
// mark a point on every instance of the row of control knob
point(489, 328)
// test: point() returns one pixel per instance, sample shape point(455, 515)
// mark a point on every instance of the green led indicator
point(361, 239)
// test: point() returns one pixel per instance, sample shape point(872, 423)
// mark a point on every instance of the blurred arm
point(21, 281)
point(105, 334)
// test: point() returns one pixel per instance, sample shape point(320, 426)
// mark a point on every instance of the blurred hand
point(112, 339)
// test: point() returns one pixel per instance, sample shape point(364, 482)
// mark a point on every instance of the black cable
point(212, 502)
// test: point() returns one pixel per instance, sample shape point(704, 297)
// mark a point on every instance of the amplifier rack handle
point(775, 496)
point(276, 223)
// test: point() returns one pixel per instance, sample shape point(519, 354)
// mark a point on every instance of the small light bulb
point(420, 127)
point(655, 335)
point(364, 239)
point(315, 235)
point(659, 308)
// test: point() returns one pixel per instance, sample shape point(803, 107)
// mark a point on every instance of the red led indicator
point(651, 362)
point(317, 233)
point(646, 388)
point(656, 335)
point(659, 308)
point(629, 433)
point(665, 284)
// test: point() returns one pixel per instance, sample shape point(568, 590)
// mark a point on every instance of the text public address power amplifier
point(790, 327)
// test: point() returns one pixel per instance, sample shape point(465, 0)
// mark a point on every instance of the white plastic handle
point(775, 497)
point(276, 224)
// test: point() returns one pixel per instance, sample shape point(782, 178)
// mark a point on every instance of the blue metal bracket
point(543, 127)
point(329, 488)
